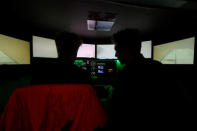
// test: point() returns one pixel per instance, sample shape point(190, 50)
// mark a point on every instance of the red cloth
point(51, 107)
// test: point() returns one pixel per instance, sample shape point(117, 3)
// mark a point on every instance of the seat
point(51, 107)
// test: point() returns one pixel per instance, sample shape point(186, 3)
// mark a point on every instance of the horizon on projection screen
point(14, 51)
point(177, 52)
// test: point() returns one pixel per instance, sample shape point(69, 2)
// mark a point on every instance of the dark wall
point(12, 77)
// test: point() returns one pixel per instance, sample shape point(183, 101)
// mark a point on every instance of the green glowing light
point(78, 63)
point(119, 66)
point(94, 77)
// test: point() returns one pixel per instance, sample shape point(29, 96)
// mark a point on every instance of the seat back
point(52, 107)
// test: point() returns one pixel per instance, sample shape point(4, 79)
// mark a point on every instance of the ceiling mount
point(98, 21)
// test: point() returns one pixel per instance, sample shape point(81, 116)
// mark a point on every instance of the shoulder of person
point(153, 62)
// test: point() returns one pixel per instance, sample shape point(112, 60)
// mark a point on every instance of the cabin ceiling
point(151, 17)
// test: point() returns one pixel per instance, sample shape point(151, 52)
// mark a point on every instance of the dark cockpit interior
point(28, 29)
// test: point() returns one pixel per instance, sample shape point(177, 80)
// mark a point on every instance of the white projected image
point(177, 52)
point(14, 51)
point(44, 47)
point(86, 51)
point(106, 52)
point(146, 49)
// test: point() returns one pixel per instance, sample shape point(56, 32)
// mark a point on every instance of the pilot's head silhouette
point(67, 46)
point(127, 44)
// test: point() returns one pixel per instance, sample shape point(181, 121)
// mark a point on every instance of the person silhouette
point(63, 70)
point(137, 68)
point(144, 94)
